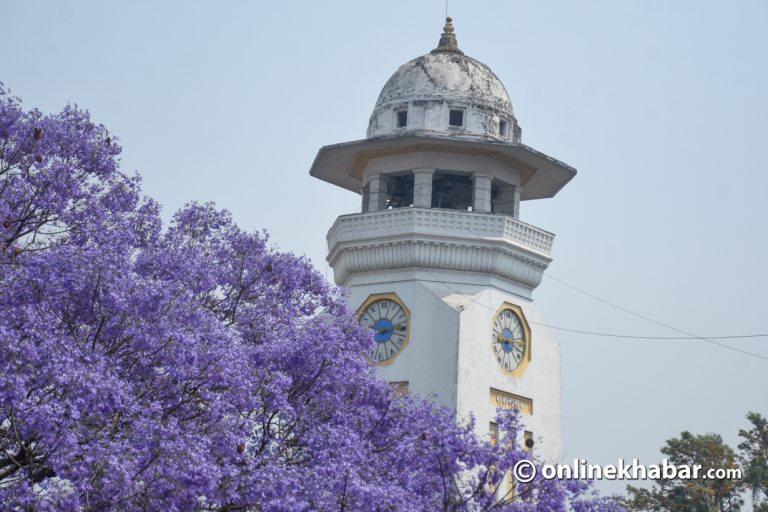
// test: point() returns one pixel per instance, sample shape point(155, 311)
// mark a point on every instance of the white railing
point(433, 221)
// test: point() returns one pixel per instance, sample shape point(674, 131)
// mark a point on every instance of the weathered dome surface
point(430, 86)
point(445, 76)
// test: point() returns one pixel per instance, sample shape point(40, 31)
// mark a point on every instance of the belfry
point(438, 262)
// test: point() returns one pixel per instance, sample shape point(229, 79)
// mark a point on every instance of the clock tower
point(438, 262)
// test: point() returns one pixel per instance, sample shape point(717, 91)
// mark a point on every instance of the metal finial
point(448, 41)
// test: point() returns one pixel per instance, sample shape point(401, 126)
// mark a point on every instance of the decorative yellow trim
point(527, 435)
point(394, 298)
point(504, 400)
point(401, 387)
point(518, 312)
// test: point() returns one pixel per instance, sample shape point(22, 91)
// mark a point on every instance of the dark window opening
point(400, 191)
point(402, 118)
point(502, 198)
point(452, 191)
point(456, 117)
point(503, 128)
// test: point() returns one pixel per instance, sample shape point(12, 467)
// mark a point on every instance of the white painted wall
point(449, 354)
point(429, 361)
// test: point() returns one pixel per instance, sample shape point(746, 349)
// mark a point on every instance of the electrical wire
point(635, 337)
point(648, 319)
point(689, 336)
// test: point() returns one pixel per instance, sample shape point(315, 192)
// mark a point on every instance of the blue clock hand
point(399, 327)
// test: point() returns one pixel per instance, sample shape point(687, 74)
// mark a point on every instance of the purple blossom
point(195, 367)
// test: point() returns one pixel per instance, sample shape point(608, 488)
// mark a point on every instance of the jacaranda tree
point(194, 367)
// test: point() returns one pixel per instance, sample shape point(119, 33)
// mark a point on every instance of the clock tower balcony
point(438, 239)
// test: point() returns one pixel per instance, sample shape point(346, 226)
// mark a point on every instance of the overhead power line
point(662, 324)
point(688, 335)
point(635, 337)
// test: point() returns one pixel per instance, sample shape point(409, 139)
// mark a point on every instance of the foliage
point(754, 454)
point(195, 367)
point(692, 495)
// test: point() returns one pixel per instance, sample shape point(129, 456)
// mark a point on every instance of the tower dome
point(445, 93)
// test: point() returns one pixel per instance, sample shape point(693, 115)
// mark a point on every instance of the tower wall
point(430, 367)
point(449, 356)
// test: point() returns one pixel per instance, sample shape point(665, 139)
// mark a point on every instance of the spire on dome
point(448, 41)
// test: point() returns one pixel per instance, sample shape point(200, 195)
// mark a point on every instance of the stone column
point(508, 201)
point(422, 188)
point(482, 193)
point(377, 193)
point(516, 212)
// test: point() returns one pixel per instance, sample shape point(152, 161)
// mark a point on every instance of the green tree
point(754, 457)
point(692, 495)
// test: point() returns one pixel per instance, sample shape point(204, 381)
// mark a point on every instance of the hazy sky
point(661, 106)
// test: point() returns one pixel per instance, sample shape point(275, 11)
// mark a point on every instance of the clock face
point(510, 339)
point(389, 319)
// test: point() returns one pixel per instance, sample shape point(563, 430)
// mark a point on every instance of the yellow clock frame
point(394, 298)
point(518, 312)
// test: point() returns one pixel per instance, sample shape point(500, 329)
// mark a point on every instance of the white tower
point(438, 263)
